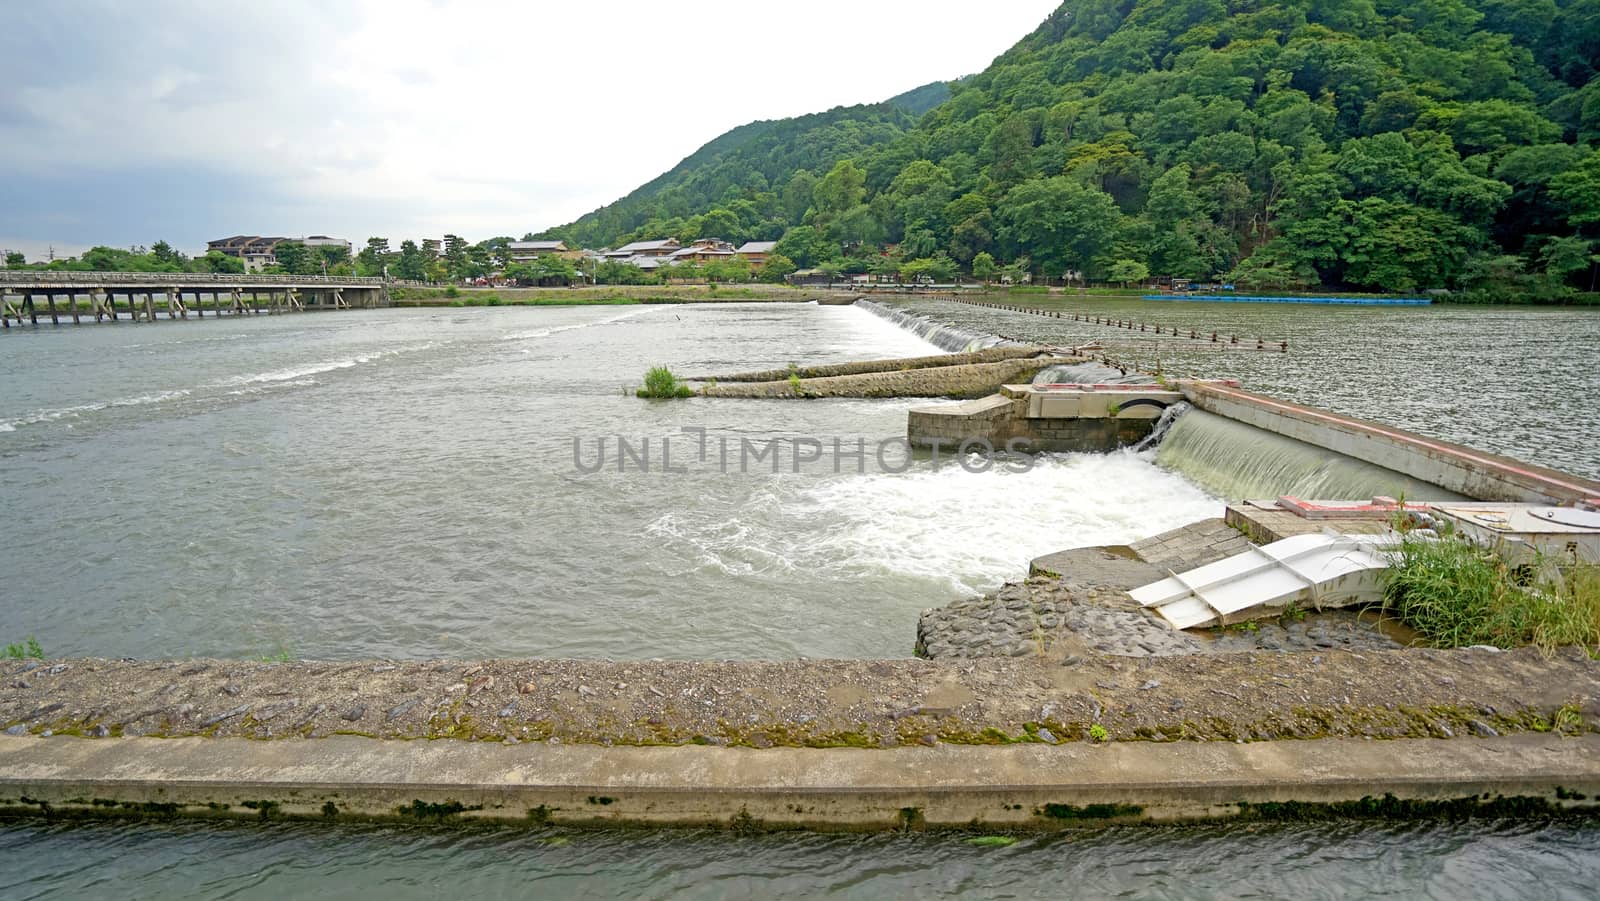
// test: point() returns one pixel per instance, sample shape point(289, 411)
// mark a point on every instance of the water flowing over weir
point(1239, 461)
point(940, 335)
point(1090, 373)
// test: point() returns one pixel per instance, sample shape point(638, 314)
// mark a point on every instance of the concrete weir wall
point(1468, 472)
point(1037, 422)
point(1017, 787)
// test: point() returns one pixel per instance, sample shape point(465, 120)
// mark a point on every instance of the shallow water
point(1334, 860)
point(402, 483)
point(1521, 381)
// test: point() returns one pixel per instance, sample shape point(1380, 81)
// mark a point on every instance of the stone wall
point(970, 380)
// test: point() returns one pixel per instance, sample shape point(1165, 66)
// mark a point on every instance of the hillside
point(1398, 144)
point(758, 163)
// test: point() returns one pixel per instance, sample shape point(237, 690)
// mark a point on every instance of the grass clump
point(659, 382)
point(1458, 594)
point(25, 650)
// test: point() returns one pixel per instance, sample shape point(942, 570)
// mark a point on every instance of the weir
point(1239, 461)
point(941, 335)
point(1235, 443)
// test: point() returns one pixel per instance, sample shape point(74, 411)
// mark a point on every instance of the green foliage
point(1098, 732)
point(777, 268)
point(1398, 147)
point(25, 650)
point(1457, 594)
point(547, 270)
point(659, 382)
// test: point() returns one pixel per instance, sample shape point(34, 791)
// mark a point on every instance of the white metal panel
point(1326, 570)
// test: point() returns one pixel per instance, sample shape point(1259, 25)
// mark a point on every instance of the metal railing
point(176, 279)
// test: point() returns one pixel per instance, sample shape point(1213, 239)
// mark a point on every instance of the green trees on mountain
point(1396, 145)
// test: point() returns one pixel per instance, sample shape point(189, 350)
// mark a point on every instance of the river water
point(1306, 862)
point(403, 484)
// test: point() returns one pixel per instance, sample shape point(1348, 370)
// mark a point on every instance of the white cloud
point(409, 117)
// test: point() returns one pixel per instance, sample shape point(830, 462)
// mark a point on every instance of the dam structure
point(29, 297)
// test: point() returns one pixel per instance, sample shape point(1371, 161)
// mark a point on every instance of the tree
point(296, 258)
point(777, 268)
point(372, 258)
point(411, 264)
point(938, 269)
point(1125, 271)
point(983, 267)
point(15, 259)
point(455, 255)
point(216, 261)
point(806, 246)
point(163, 253)
point(1059, 223)
point(842, 189)
point(1578, 191)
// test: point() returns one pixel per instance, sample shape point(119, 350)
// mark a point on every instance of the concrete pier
point(1016, 787)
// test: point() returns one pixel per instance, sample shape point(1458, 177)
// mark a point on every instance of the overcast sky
point(123, 123)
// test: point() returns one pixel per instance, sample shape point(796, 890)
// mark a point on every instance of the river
point(1455, 861)
point(402, 483)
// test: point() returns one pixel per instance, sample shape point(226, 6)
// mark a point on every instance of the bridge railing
point(176, 279)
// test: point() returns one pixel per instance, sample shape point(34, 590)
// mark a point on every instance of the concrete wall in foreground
point(1468, 472)
point(1013, 786)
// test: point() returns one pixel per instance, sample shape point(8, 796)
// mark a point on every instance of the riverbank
point(604, 295)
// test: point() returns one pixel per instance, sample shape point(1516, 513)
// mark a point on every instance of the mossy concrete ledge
point(1005, 787)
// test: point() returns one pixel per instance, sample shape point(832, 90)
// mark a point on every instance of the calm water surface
point(1453, 862)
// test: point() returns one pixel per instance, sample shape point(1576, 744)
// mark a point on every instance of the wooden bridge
point(29, 296)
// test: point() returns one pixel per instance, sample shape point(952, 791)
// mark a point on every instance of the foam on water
point(942, 335)
point(965, 531)
point(73, 412)
point(558, 329)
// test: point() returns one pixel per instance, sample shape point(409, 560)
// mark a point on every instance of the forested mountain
point(1386, 144)
point(744, 181)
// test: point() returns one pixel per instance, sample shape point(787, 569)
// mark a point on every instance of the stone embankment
point(1076, 604)
point(958, 381)
point(1250, 696)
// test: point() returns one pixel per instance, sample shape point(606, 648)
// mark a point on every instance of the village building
point(756, 252)
point(663, 248)
point(325, 241)
point(705, 250)
point(528, 251)
point(254, 251)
